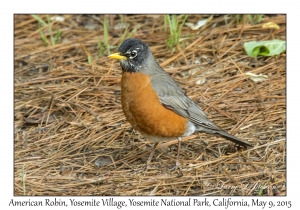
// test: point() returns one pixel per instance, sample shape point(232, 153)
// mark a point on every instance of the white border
point(8, 8)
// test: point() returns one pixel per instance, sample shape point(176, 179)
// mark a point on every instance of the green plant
point(261, 190)
point(41, 25)
point(88, 54)
point(104, 45)
point(105, 29)
point(252, 19)
point(100, 47)
point(175, 27)
point(129, 34)
point(265, 48)
point(121, 18)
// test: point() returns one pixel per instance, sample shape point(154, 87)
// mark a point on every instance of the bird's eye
point(133, 54)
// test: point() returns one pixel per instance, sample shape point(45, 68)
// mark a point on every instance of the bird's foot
point(177, 166)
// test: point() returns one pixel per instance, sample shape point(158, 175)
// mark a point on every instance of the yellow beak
point(117, 56)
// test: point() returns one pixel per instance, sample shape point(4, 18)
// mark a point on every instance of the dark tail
point(213, 129)
point(234, 139)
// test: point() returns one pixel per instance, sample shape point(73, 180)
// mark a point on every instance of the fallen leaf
point(102, 161)
point(271, 25)
point(257, 77)
point(265, 48)
point(199, 24)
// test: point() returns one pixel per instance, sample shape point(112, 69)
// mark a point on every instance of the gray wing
point(174, 98)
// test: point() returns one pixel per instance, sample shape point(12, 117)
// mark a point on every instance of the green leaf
point(57, 36)
point(39, 19)
point(265, 48)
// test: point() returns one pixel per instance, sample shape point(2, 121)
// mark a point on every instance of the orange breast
point(144, 111)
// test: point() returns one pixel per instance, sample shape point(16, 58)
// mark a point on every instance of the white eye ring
point(133, 54)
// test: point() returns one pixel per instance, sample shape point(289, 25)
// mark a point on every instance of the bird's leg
point(178, 154)
point(151, 155)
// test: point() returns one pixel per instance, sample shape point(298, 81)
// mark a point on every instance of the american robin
point(154, 104)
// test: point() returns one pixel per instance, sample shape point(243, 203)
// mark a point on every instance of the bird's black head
point(132, 54)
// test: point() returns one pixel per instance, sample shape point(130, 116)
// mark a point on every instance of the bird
point(154, 104)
